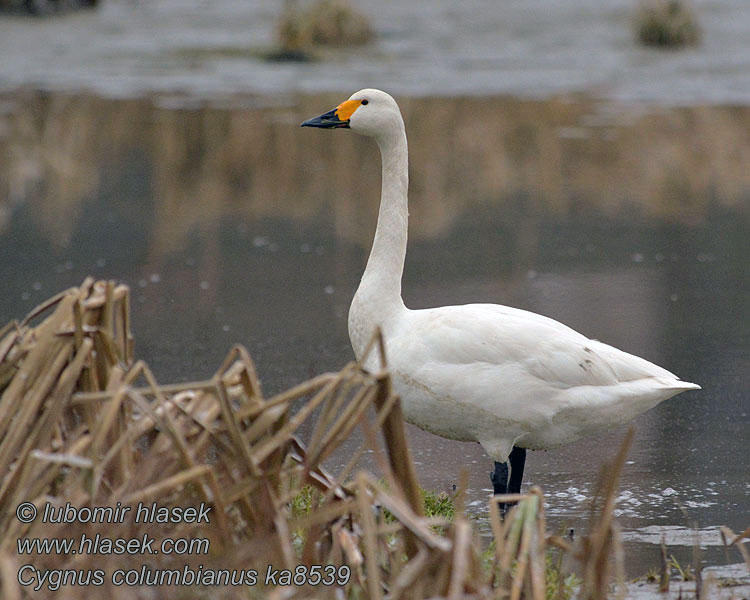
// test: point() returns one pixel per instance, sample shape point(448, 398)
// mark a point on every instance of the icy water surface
point(235, 225)
point(527, 47)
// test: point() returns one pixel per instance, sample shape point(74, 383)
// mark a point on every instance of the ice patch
point(674, 535)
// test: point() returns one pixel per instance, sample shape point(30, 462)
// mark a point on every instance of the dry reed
point(303, 26)
point(81, 422)
point(666, 23)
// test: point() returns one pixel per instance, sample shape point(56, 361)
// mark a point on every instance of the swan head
point(369, 112)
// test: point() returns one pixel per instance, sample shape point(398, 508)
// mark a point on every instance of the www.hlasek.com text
point(102, 545)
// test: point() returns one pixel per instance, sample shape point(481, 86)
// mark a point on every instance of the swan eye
point(365, 101)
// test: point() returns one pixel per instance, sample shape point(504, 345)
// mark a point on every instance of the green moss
point(303, 503)
point(438, 504)
point(299, 506)
point(560, 585)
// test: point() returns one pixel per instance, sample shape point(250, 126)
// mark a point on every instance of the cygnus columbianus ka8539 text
point(507, 378)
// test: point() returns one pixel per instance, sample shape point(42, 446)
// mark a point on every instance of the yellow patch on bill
point(345, 110)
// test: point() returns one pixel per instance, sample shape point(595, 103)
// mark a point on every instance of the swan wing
point(497, 374)
point(502, 336)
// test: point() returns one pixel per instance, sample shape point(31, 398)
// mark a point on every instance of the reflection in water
point(235, 225)
point(555, 156)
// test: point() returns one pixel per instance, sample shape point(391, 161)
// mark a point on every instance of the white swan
point(506, 378)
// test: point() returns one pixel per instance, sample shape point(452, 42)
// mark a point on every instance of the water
point(523, 47)
point(235, 225)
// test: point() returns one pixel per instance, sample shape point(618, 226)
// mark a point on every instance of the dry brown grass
point(304, 26)
point(666, 23)
point(82, 423)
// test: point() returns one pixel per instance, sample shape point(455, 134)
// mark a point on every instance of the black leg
point(517, 461)
point(499, 478)
point(502, 483)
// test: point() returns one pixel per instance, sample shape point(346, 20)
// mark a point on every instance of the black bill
point(329, 120)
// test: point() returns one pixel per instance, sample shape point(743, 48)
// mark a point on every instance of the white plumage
point(496, 375)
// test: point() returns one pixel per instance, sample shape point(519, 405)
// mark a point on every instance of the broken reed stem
point(460, 566)
point(399, 454)
point(599, 542)
point(369, 537)
point(727, 535)
point(666, 567)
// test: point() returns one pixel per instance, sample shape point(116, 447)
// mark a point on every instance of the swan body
point(505, 377)
point(492, 374)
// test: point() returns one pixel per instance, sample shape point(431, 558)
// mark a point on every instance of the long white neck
point(378, 302)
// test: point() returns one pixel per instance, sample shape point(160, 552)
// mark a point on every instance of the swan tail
point(677, 385)
point(603, 406)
